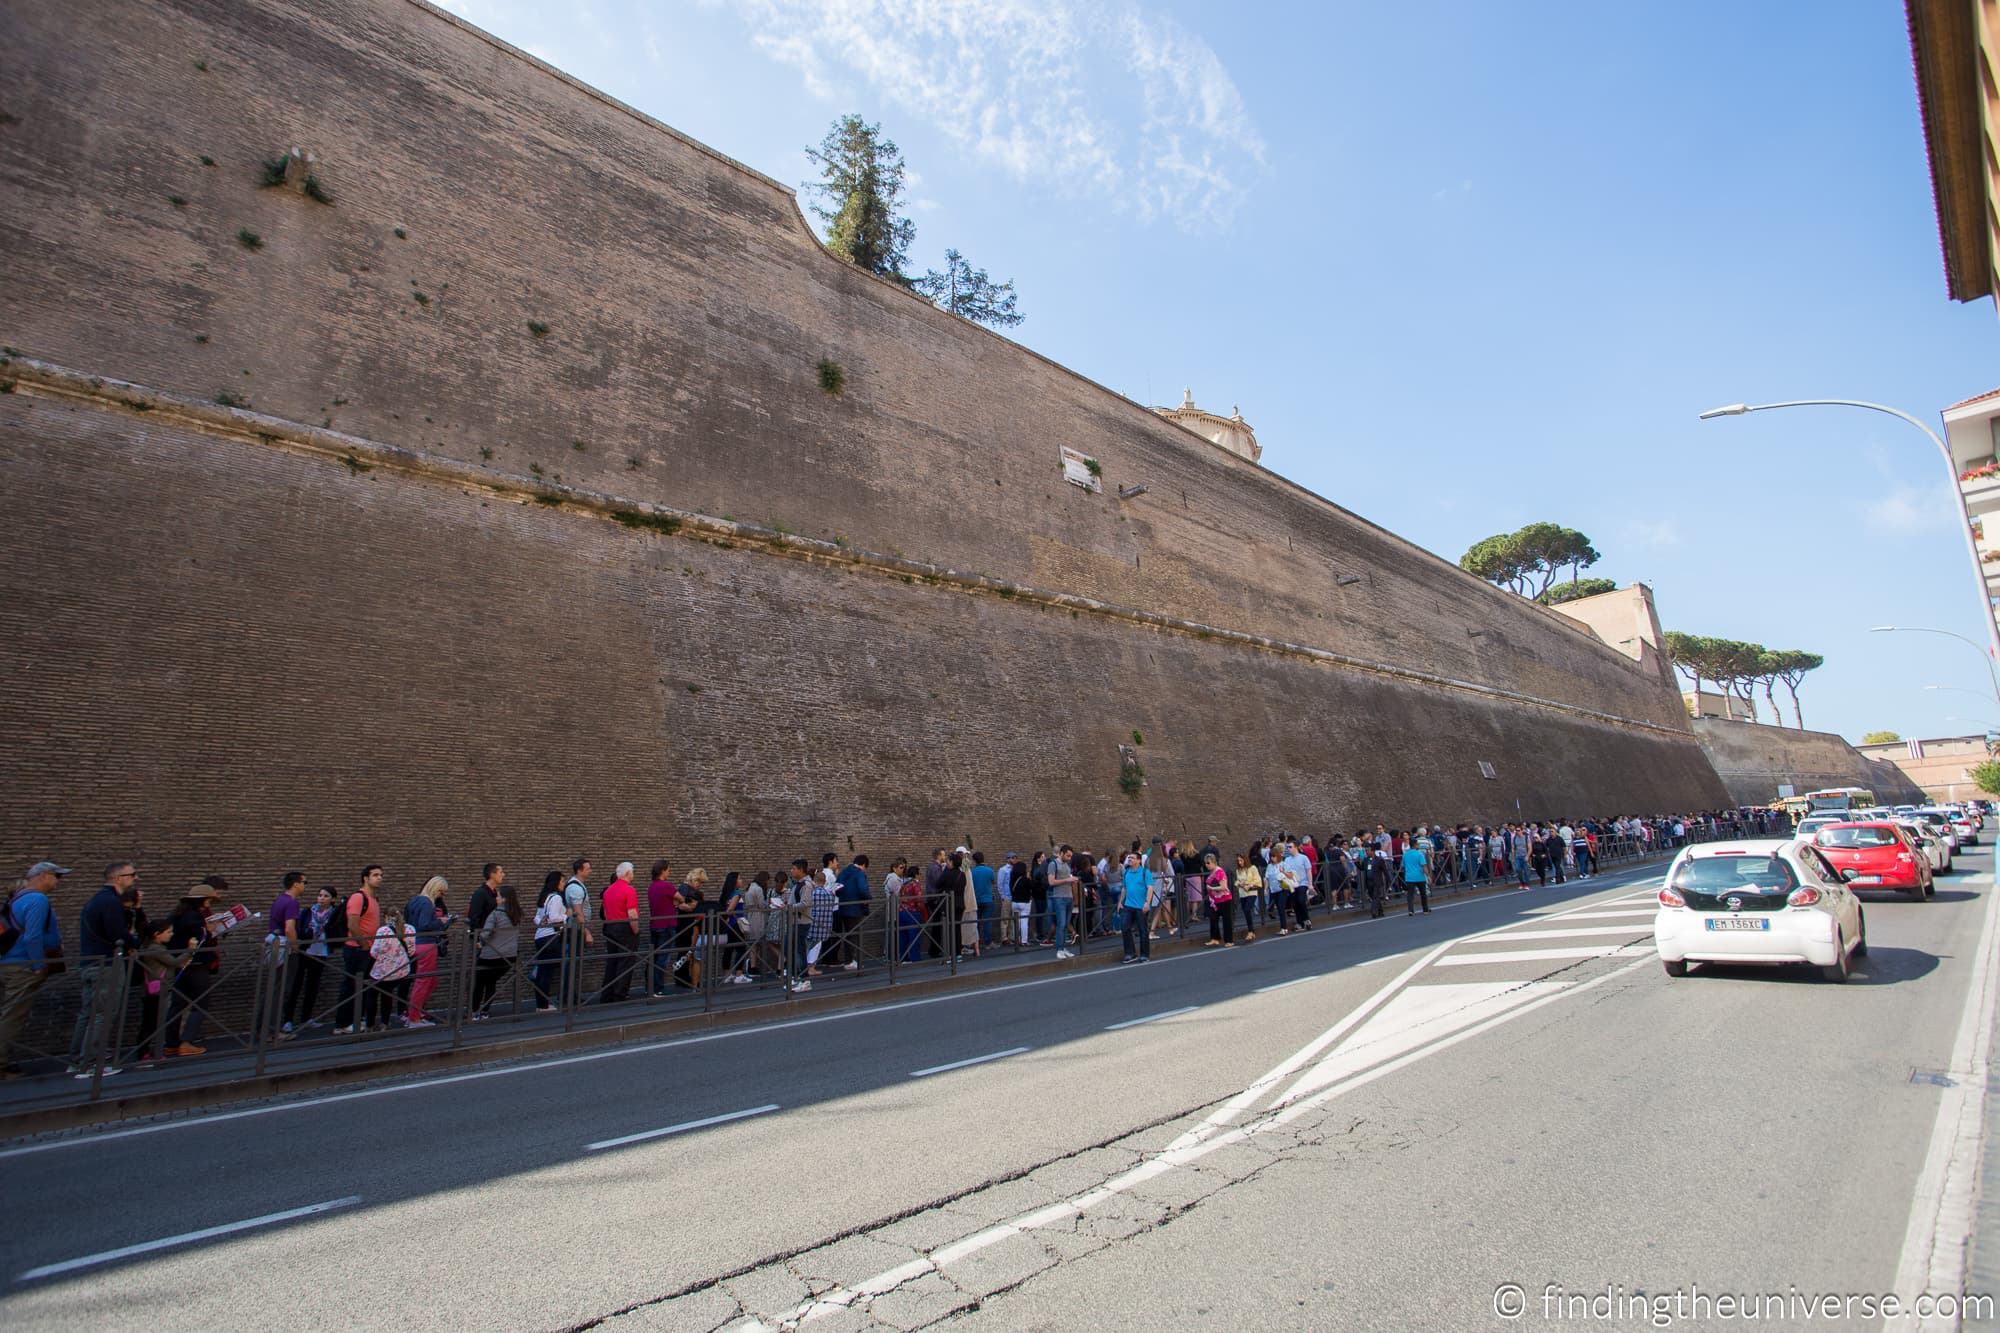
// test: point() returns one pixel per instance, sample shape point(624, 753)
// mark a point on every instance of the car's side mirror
point(1848, 874)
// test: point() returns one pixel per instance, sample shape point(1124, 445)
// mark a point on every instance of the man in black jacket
point(105, 929)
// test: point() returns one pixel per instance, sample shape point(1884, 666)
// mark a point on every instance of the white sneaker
point(851, 967)
point(802, 986)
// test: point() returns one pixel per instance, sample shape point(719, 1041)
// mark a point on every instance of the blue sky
point(1463, 266)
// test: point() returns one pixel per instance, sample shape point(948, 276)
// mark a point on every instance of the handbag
point(53, 964)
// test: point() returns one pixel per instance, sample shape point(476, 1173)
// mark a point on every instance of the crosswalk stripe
point(1632, 931)
point(1534, 955)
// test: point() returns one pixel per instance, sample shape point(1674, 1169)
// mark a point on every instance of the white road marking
point(1418, 1015)
point(1592, 914)
point(1941, 1207)
point(1280, 985)
point(186, 1238)
point(1153, 1018)
point(1575, 933)
point(648, 1048)
point(681, 1128)
point(1537, 955)
point(1183, 1153)
point(973, 1060)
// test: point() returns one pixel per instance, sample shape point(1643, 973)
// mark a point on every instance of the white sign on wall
point(1077, 470)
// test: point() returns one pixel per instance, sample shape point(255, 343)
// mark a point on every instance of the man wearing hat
point(24, 965)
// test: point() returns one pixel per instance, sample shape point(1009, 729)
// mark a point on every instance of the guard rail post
point(109, 1034)
point(261, 1007)
point(461, 988)
point(892, 932)
point(704, 943)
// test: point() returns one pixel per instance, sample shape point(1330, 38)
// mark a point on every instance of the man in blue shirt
point(23, 968)
point(983, 892)
point(1137, 898)
point(851, 888)
point(1416, 884)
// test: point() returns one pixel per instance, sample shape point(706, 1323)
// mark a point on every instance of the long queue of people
point(793, 925)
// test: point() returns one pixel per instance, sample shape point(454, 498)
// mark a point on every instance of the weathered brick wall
point(687, 307)
point(1753, 760)
point(225, 656)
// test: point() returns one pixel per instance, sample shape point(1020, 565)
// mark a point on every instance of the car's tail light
point(1671, 897)
point(1804, 896)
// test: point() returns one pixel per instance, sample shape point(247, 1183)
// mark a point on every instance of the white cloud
point(1653, 532)
point(1901, 511)
point(1089, 95)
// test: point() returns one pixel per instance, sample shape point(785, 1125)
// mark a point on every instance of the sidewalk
point(43, 1104)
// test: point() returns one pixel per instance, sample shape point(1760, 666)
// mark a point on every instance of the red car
point(1876, 855)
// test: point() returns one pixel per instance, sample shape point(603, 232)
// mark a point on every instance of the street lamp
point(1991, 674)
point(1964, 517)
point(1956, 690)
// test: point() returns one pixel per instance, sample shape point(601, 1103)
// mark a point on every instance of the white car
point(1758, 900)
point(1936, 850)
point(1820, 819)
point(1940, 823)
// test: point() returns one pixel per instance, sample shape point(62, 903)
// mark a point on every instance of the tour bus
point(1840, 798)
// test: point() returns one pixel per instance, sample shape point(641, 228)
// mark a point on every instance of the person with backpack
point(393, 953)
point(1138, 888)
point(30, 952)
point(551, 923)
point(1062, 896)
point(354, 925)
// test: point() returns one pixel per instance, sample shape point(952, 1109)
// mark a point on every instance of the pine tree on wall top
point(859, 198)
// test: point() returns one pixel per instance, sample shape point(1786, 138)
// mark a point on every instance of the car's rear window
point(1857, 837)
point(1718, 874)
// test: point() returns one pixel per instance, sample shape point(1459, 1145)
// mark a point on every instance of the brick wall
point(229, 657)
point(226, 656)
point(1753, 759)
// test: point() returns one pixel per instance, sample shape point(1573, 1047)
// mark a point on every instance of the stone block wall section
point(235, 653)
point(1753, 760)
point(517, 272)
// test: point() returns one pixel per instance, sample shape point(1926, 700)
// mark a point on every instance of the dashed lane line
point(681, 1128)
point(1153, 1018)
point(969, 1061)
point(186, 1238)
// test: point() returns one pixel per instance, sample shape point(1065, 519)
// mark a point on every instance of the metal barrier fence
point(260, 1005)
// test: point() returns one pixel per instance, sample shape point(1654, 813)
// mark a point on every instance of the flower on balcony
point(1988, 557)
point(1979, 472)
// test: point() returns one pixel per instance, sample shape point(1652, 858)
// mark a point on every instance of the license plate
point(1866, 879)
point(1739, 923)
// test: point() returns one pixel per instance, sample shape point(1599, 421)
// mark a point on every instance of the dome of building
point(1231, 432)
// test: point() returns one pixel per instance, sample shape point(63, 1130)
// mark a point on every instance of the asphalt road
point(1371, 1126)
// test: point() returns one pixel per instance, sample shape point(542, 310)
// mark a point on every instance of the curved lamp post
point(1991, 674)
point(1992, 649)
